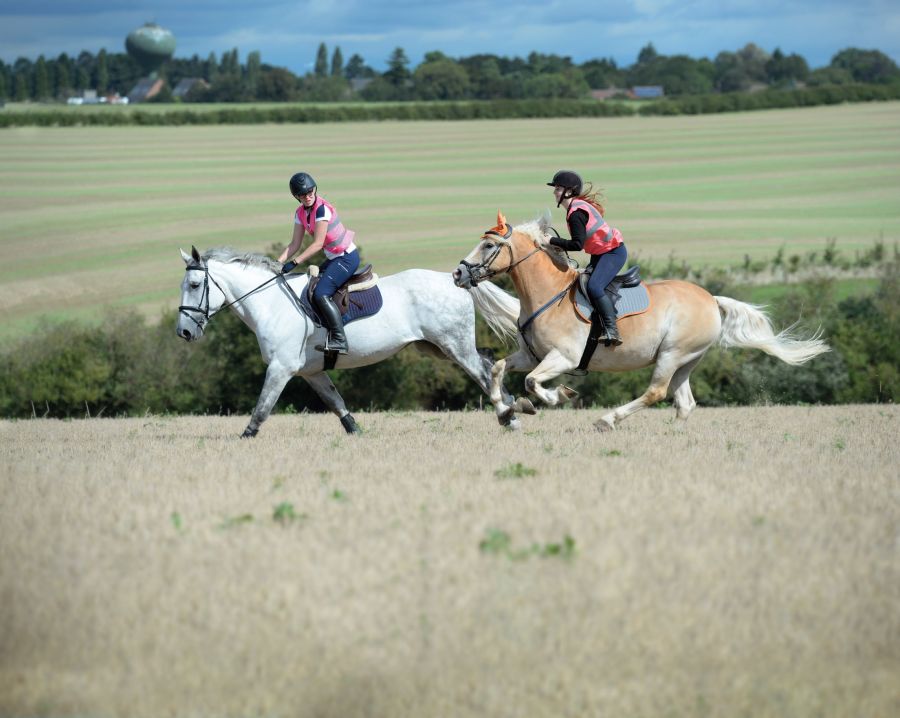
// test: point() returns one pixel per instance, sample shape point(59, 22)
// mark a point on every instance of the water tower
point(151, 45)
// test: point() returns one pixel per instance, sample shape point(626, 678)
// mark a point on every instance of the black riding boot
point(607, 311)
point(331, 315)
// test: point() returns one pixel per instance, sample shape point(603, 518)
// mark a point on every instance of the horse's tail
point(746, 325)
point(499, 309)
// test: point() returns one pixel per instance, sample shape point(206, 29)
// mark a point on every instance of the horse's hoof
point(566, 392)
point(602, 425)
point(350, 425)
point(524, 406)
point(249, 433)
point(513, 425)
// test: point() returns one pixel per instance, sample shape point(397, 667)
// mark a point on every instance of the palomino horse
point(420, 307)
point(683, 321)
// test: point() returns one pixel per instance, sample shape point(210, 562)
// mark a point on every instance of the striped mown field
point(744, 563)
point(91, 217)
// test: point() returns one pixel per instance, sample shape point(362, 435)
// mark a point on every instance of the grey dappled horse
point(421, 307)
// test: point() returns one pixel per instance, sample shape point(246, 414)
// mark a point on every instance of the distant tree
point(337, 63)
point(41, 83)
point(276, 85)
point(4, 81)
point(601, 73)
point(321, 69)
point(753, 60)
point(251, 77)
point(230, 65)
point(730, 74)
point(101, 74)
point(866, 65)
point(571, 85)
point(212, 68)
point(647, 54)
point(784, 69)
point(539, 63)
point(397, 73)
point(21, 93)
point(440, 79)
point(64, 78)
point(357, 68)
point(380, 90)
point(829, 76)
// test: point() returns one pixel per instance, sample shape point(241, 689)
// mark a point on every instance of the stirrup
point(343, 349)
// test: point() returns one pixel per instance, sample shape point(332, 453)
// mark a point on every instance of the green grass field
point(93, 217)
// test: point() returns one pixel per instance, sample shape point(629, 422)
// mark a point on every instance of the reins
point(482, 271)
point(207, 277)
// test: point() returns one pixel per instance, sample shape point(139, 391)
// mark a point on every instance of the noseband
point(203, 309)
point(482, 271)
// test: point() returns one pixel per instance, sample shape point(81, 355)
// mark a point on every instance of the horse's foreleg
point(554, 364)
point(276, 379)
point(504, 404)
point(328, 393)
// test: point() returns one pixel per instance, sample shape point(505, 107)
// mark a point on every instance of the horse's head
point(500, 249)
point(201, 297)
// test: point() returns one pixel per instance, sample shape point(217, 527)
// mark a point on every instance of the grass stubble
point(743, 563)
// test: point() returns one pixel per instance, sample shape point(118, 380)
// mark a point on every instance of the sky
point(288, 33)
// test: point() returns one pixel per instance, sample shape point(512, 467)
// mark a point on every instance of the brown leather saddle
point(341, 297)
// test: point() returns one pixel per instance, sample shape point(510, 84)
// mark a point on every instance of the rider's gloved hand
point(288, 267)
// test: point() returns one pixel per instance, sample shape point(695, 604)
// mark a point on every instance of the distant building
point(184, 87)
point(608, 93)
point(145, 89)
point(647, 92)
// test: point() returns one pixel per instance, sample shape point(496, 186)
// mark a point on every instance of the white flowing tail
point(499, 309)
point(746, 325)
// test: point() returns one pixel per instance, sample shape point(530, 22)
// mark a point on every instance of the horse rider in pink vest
point(591, 233)
point(318, 218)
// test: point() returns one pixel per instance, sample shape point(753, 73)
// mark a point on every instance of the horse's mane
point(249, 259)
point(539, 229)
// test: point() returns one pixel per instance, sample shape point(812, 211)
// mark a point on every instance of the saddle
point(362, 278)
point(631, 278)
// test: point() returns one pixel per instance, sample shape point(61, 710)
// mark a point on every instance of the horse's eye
point(488, 245)
point(195, 285)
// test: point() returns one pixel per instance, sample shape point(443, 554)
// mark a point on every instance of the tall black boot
point(336, 340)
point(607, 311)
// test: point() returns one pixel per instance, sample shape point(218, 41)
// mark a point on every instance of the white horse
point(420, 307)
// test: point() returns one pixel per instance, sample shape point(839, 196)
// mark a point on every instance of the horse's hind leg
point(328, 393)
point(666, 366)
point(681, 388)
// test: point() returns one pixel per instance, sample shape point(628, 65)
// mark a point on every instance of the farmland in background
point(91, 217)
point(742, 563)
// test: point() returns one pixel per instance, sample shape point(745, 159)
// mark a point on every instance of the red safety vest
point(601, 238)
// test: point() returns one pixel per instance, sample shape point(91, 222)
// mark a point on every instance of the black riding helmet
point(302, 183)
point(569, 181)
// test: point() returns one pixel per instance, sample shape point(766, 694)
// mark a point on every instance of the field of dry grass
point(746, 563)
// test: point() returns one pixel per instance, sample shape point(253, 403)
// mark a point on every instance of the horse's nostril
point(186, 333)
point(456, 274)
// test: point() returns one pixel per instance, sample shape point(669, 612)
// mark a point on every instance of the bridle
point(204, 298)
point(482, 271)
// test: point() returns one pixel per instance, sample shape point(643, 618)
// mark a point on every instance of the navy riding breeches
point(606, 267)
point(334, 272)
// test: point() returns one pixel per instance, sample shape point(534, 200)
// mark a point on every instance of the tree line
point(440, 77)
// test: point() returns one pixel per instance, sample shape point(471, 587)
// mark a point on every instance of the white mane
point(250, 259)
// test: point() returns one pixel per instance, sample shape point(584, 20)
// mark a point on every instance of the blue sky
point(287, 34)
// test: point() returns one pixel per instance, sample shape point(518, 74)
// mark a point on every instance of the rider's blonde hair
point(592, 196)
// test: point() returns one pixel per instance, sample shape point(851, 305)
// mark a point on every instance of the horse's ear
point(501, 220)
point(185, 257)
point(195, 254)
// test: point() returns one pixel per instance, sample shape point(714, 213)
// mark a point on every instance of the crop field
point(94, 217)
point(742, 563)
